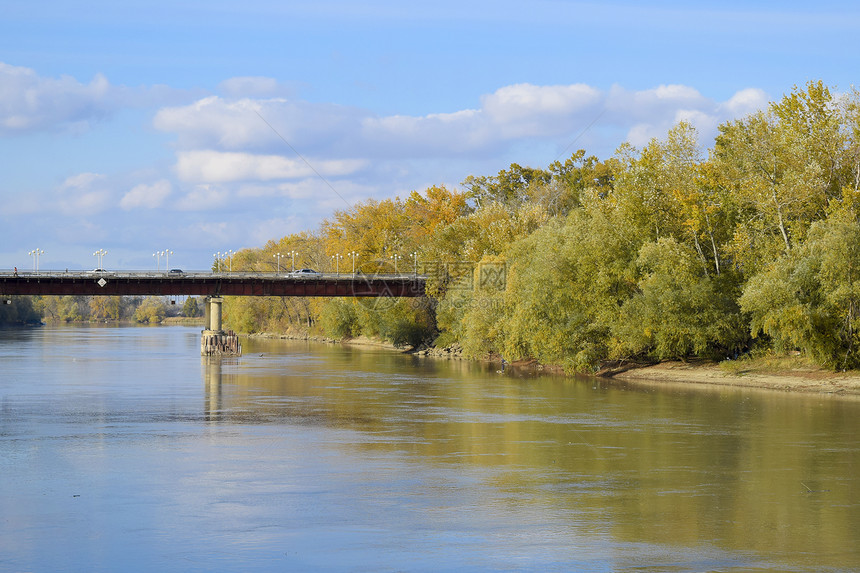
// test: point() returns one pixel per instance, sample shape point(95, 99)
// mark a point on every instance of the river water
point(121, 449)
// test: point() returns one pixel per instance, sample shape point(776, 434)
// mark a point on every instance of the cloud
point(254, 86)
point(505, 120)
point(526, 110)
point(83, 195)
point(259, 124)
point(33, 103)
point(221, 167)
point(651, 113)
point(744, 103)
point(29, 102)
point(146, 196)
point(204, 197)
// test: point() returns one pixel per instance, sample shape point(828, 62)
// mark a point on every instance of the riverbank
point(790, 375)
point(357, 341)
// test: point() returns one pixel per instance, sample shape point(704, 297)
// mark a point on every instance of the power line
point(348, 204)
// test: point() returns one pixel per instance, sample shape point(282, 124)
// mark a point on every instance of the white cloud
point(650, 114)
point(744, 103)
point(507, 118)
point(204, 197)
point(146, 196)
point(220, 167)
point(215, 122)
point(83, 195)
point(253, 86)
point(526, 110)
point(29, 102)
point(81, 181)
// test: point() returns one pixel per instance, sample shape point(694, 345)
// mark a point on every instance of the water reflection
point(761, 472)
point(122, 449)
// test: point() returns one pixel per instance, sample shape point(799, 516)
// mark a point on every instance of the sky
point(139, 127)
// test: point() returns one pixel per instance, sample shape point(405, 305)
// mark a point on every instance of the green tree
point(151, 310)
point(17, 310)
point(509, 187)
point(191, 308)
point(782, 166)
point(679, 310)
point(566, 283)
point(809, 299)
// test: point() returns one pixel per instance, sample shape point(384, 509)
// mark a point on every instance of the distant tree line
point(34, 309)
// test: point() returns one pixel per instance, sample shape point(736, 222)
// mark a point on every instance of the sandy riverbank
point(807, 379)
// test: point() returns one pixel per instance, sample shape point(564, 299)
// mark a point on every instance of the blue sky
point(202, 127)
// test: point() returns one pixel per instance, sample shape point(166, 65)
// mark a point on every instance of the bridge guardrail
point(202, 274)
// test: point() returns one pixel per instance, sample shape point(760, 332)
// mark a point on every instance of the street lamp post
point(100, 255)
point(278, 255)
point(158, 255)
point(229, 255)
point(167, 253)
point(293, 266)
point(395, 257)
point(217, 261)
point(337, 257)
point(353, 254)
point(35, 253)
point(415, 259)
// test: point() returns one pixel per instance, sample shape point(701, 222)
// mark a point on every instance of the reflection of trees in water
point(648, 463)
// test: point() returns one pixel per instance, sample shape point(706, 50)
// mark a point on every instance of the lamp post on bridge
point(293, 255)
point(414, 256)
point(395, 257)
point(218, 256)
point(35, 253)
point(100, 255)
point(166, 254)
point(352, 254)
point(337, 257)
point(278, 255)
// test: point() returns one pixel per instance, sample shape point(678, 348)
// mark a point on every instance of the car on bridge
point(174, 272)
point(304, 273)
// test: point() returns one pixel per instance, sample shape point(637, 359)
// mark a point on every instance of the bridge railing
point(132, 274)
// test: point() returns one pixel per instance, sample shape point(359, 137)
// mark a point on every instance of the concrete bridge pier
point(215, 341)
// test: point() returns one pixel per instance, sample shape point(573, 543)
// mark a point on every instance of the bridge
point(212, 285)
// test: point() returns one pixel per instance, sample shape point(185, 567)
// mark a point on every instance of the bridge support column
point(216, 342)
point(213, 313)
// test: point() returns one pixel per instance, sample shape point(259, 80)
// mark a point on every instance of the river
point(121, 449)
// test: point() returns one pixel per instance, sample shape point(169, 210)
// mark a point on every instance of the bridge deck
point(112, 283)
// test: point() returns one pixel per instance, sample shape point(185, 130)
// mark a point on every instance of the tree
point(106, 307)
point(151, 310)
point(191, 308)
point(679, 310)
point(781, 165)
point(18, 310)
point(809, 299)
point(508, 188)
point(566, 283)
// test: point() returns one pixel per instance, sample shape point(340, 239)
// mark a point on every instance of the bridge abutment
point(214, 340)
